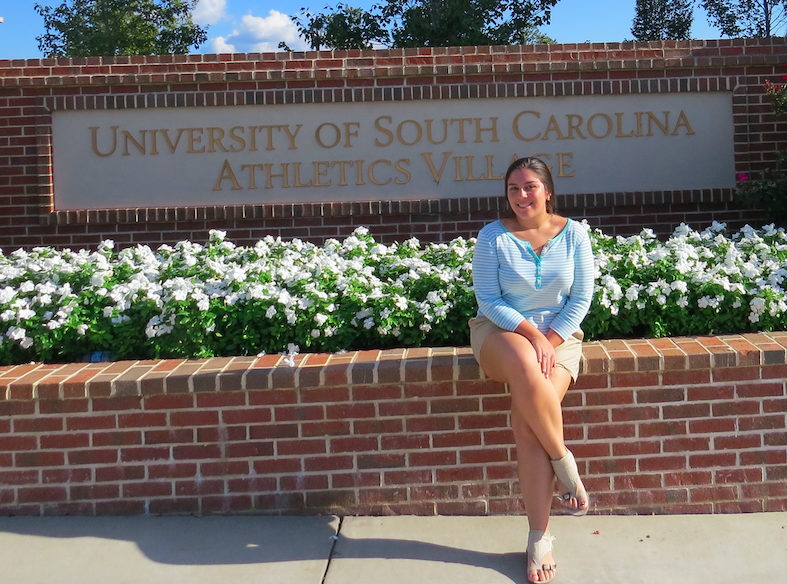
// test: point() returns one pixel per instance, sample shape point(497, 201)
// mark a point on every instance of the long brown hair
point(541, 170)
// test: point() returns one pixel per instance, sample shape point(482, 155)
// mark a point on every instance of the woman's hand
point(543, 345)
point(545, 353)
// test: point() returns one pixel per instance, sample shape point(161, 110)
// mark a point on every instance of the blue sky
point(259, 25)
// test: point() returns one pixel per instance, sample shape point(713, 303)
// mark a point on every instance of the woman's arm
point(576, 307)
point(486, 284)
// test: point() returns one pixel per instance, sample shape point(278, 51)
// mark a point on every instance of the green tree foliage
point(343, 28)
point(657, 20)
point(747, 18)
point(87, 28)
point(435, 23)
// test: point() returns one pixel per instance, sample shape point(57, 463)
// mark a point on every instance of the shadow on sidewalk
point(240, 540)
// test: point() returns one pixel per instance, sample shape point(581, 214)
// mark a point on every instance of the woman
point(533, 279)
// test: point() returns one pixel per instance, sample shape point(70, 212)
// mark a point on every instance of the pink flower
point(742, 177)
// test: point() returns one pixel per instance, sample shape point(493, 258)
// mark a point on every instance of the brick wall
point(685, 425)
point(31, 89)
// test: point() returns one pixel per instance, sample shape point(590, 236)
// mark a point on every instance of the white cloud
point(209, 11)
point(220, 45)
point(257, 34)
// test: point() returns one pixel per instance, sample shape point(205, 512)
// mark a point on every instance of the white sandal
point(567, 473)
point(539, 544)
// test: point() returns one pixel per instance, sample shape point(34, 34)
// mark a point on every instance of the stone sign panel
point(233, 155)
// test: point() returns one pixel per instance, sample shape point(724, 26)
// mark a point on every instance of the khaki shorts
point(568, 353)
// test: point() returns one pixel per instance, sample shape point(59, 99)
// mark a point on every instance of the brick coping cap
point(555, 48)
point(371, 367)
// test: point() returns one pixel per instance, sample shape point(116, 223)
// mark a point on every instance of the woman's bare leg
point(505, 358)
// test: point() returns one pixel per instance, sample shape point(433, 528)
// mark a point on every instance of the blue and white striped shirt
point(552, 290)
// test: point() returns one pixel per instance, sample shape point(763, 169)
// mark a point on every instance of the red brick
point(761, 423)
point(142, 420)
point(167, 436)
point(723, 459)
point(222, 399)
point(252, 484)
point(719, 493)
point(739, 408)
point(759, 389)
point(356, 480)
point(609, 397)
point(298, 413)
point(757, 457)
point(147, 489)
point(92, 492)
point(172, 470)
point(19, 477)
point(196, 418)
point(91, 423)
point(737, 442)
point(62, 441)
point(117, 404)
point(144, 453)
point(290, 447)
point(607, 431)
point(303, 482)
point(403, 408)
point(38, 424)
point(120, 473)
point(688, 444)
point(388, 426)
point(663, 463)
point(680, 479)
point(711, 393)
point(482, 421)
point(640, 379)
point(325, 394)
point(660, 395)
point(684, 378)
point(712, 426)
point(350, 411)
point(353, 444)
point(41, 494)
point(11, 443)
point(634, 413)
point(169, 402)
point(735, 374)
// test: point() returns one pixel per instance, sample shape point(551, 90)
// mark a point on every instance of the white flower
point(25, 314)
point(16, 333)
point(7, 294)
point(271, 312)
point(82, 329)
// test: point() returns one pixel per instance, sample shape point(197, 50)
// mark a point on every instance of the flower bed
point(221, 299)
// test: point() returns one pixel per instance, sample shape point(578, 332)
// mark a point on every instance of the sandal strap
point(539, 544)
point(567, 472)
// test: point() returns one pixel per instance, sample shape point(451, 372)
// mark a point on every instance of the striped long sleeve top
point(551, 290)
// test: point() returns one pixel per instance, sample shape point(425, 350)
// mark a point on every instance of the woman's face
point(527, 195)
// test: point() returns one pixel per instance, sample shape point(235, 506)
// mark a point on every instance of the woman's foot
point(574, 505)
point(572, 491)
point(541, 567)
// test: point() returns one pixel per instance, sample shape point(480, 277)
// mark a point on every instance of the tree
point(436, 23)
point(657, 20)
point(746, 18)
point(344, 28)
point(88, 28)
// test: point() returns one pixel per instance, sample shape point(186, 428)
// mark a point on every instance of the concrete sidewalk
point(701, 549)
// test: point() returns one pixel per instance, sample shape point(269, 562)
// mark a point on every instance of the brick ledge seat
point(680, 425)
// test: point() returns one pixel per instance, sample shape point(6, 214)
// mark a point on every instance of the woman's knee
point(523, 433)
